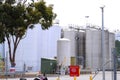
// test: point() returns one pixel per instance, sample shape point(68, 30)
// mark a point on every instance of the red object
point(74, 71)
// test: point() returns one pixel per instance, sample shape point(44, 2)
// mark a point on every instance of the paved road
point(81, 77)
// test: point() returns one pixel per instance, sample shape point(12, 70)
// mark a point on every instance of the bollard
point(91, 77)
point(75, 78)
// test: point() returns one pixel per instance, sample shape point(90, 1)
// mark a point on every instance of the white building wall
point(48, 42)
point(37, 43)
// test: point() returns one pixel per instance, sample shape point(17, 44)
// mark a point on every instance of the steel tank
point(72, 35)
point(77, 38)
point(63, 52)
point(106, 49)
point(111, 46)
point(93, 49)
point(81, 48)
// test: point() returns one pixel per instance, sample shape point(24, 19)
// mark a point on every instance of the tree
point(17, 17)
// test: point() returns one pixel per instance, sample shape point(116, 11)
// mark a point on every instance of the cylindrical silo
point(106, 49)
point(77, 38)
point(81, 42)
point(72, 34)
point(81, 48)
point(88, 49)
point(93, 49)
point(63, 52)
point(111, 46)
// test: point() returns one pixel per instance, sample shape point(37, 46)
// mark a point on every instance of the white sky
point(74, 12)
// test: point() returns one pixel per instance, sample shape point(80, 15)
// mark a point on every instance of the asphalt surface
point(108, 76)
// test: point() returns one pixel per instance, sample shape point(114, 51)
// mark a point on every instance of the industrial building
point(93, 49)
point(37, 44)
point(86, 47)
point(69, 46)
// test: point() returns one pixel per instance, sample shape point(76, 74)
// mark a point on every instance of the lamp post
point(102, 50)
point(86, 17)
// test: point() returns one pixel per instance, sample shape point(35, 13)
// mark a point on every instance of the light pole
point(102, 50)
point(86, 17)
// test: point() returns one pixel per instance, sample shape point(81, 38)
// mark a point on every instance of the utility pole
point(103, 54)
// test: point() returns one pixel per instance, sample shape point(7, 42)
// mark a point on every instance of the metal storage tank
point(77, 38)
point(106, 49)
point(111, 46)
point(71, 34)
point(63, 52)
point(81, 48)
point(93, 49)
point(81, 42)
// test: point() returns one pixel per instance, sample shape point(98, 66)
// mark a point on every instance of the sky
point(74, 12)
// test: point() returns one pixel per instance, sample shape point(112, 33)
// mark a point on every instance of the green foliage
point(117, 46)
point(46, 14)
point(16, 18)
point(10, 1)
point(12, 21)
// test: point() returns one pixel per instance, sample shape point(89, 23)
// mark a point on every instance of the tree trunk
point(12, 54)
